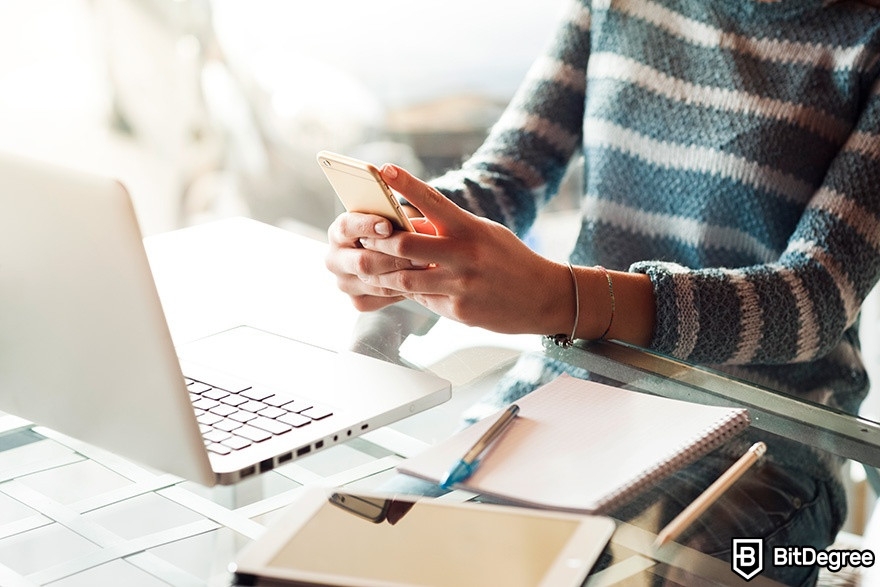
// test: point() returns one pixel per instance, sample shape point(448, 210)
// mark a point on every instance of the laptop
point(85, 348)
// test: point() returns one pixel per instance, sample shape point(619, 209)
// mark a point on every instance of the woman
point(730, 217)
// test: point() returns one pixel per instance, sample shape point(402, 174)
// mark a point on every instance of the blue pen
point(471, 460)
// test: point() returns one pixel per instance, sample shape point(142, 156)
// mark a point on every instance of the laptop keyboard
point(233, 415)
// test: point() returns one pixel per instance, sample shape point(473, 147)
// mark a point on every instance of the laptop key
point(198, 387)
point(277, 400)
point(253, 434)
point(215, 393)
point(216, 435)
point(216, 379)
point(219, 448)
point(209, 419)
point(273, 426)
point(253, 406)
point(205, 404)
point(234, 400)
point(294, 419)
point(256, 393)
point(317, 412)
point(298, 405)
point(223, 410)
point(228, 425)
point(242, 416)
point(272, 412)
point(236, 442)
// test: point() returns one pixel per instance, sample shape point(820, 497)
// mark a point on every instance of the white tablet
point(358, 540)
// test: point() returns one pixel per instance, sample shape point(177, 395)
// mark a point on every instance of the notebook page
point(584, 446)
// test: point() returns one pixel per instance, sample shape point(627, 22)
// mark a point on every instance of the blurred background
point(212, 108)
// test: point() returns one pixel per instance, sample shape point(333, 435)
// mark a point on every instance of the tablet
point(360, 540)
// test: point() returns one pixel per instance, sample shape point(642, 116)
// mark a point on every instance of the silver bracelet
point(562, 339)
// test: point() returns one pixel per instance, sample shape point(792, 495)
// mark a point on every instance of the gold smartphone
point(362, 189)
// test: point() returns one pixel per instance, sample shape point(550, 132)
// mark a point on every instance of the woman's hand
point(353, 265)
point(478, 272)
point(458, 265)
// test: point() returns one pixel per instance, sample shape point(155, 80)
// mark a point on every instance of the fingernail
point(382, 229)
point(420, 265)
point(389, 171)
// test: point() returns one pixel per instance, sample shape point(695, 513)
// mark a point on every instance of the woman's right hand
point(351, 263)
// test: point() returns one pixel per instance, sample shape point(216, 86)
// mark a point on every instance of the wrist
point(614, 305)
point(562, 336)
point(556, 312)
point(597, 298)
point(590, 316)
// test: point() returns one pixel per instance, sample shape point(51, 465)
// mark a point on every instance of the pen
point(710, 495)
point(469, 462)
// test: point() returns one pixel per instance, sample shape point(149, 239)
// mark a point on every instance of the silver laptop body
point(85, 348)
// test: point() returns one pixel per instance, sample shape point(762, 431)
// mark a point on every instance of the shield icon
point(747, 558)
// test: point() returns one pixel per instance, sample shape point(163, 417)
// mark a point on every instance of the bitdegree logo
point(748, 557)
point(833, 560)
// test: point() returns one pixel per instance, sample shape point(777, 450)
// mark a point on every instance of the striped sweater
point(731, 152)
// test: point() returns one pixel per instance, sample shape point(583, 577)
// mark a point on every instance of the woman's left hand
point(478, 271)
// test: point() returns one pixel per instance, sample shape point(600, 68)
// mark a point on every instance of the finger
point(349, 227)
point(368, 303)
point(355, 286)
point(442, 212)
point(409, 281)
point(420, 250)
point(363, 262)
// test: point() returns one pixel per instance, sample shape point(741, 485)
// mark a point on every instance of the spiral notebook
point(584, 447)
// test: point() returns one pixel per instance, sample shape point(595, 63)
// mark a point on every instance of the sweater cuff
point(677, 324)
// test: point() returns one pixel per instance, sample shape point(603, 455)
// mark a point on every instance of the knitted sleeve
point(797, 308)
point(522, 162)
